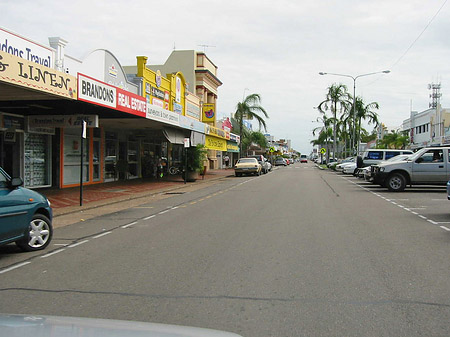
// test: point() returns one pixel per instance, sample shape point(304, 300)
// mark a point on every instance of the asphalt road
point(297, 252)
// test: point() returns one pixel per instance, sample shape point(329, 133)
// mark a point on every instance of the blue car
point(25, 215)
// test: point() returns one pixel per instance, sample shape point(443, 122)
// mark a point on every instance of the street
point(296, 252)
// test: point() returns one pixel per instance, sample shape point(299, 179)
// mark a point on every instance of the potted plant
point(196, 155)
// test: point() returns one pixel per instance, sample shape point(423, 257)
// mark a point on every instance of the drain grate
point(174, 192)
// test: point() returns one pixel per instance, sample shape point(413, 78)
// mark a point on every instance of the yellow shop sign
point(214, 143)
point(18, 71)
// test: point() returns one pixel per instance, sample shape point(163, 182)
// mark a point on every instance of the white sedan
point(349, 168)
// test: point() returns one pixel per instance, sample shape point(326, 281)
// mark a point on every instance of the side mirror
point(419, 160)
point(16, 182)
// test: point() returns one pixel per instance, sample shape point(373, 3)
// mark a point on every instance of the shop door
point(10, 156)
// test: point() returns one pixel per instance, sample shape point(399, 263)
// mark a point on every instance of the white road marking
point(433, 222)
point(14, 267)
point(447, 229)
point(149, 217)
point(77, 244)
point(422, 216)
point(128, 225)
point(53, 253)
point(162, 212)
point(102, 234)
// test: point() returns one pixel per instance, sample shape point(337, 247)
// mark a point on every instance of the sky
point(273, 48)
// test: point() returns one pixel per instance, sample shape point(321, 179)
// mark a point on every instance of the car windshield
point(3, 180)
point(399, 157)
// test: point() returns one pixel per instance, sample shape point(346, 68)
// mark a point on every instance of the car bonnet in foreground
point(40, 326)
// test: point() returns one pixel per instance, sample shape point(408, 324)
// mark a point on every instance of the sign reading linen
point(93, 91)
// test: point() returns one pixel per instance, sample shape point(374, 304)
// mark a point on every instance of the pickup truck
point(428, 166)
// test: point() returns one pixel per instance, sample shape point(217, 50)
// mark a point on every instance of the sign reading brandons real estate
point(93, 91)
point(18, 71)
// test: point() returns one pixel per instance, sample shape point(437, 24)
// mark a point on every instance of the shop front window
point(37, 160)
point(72, 157)
point(96, 160)
point(133, 157)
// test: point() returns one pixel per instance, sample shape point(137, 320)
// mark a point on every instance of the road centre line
point(53, 253)
point(162, 212)
point(447, 229)
point(14, 267)
point(433, 222)
point(102, 234)
point(77, 244)
point(128, 225)
point(149, 217)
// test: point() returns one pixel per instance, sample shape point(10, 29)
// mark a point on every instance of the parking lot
point(427, 202)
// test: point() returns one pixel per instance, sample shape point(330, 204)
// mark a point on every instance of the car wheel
point(38, 235)
point(396, 182)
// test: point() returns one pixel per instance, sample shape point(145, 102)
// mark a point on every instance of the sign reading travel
point(18, 46)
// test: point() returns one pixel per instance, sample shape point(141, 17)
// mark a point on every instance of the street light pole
point(354, 78)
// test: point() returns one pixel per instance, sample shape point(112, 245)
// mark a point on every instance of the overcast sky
point(273, 48)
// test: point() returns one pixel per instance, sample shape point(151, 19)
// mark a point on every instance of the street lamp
point(354, 99)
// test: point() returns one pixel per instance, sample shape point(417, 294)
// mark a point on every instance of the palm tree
point(337, 97)
point(256, 138)
point(365, 112)
point(249, 108)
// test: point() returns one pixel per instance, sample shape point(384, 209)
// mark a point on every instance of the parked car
point(25, 215)
point(368, 174)
point(265, 164)
point(349, 168)
point(428, 166)
point(247, 166)
point(375, 156)
point(280, 162)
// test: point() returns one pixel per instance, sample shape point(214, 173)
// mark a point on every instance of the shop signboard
point(178, 90)
point(235, 138)
point(31, 75)
point(232, 147)
point(192, 124)
point(62, 121)
point(13, 122)
point(96, 92)
point(214, 143)
point(131, 103)
point(212, 130)
point(26, 49)
point(159, 114)
point(178, 108)
point(193, 111)
point(157, 93)
point(208, 113)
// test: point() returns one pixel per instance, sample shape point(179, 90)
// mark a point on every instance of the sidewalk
point(65, 201)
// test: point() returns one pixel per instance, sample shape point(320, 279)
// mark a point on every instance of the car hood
point(43, 326)
point(395, 164)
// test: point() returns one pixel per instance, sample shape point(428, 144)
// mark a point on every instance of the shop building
point(201, 75)
point(134, 121)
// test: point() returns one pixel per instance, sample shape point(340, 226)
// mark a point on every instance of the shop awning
point(174, 136)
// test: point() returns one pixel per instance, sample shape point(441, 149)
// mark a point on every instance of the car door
point(14, 210)
point(430, 167)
